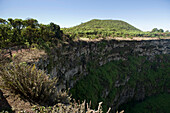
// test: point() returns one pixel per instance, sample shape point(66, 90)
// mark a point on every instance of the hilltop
point(114, 25)
point(109, 28)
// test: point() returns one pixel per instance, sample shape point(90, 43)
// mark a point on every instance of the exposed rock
point(70, 60)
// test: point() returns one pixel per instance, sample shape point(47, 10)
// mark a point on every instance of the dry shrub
point(31, 83)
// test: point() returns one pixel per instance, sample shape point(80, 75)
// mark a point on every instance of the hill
point(109, 28)
point(106, 24)
point(102, 28)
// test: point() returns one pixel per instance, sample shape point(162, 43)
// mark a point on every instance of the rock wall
point(69, 62)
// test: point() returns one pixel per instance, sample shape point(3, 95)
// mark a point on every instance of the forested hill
point(115, 25)
point(110, 28)
point(102, 28)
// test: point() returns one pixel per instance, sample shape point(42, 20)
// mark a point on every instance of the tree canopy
point(18, 32)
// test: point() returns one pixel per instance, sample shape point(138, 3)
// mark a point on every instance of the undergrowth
point(154, 104)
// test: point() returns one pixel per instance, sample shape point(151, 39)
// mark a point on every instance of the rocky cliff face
point(69, 62)
point(118, 82)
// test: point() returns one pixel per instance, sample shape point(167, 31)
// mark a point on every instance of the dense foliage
point(154, 104)
point(153, 76)
point(110, 28)
point(27, 32)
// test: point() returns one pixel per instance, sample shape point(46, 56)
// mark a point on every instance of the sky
point(143, 14)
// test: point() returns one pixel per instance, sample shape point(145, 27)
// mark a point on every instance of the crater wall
point(69, 62)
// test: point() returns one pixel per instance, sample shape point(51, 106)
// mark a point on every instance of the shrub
point(32, 84)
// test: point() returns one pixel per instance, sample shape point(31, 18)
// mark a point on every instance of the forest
point(15, 32)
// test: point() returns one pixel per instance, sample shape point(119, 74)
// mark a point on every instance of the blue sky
point(143, 14)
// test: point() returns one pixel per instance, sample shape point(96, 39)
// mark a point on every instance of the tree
point(13, 25)
point(161, 30)
point(155, 30)
point(18, 31)
point(56, 29)
point(3, 21)
point(33, 23)
point(167, 31)
point(5, 32)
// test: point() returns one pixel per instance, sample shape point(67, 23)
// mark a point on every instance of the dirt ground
point(11, 103)
point(121, 38)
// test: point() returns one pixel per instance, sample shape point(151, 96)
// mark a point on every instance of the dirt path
point(121, 38)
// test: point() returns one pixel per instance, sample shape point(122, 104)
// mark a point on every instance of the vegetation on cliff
point(40, 90)
point(155, 104)
point(139, 76)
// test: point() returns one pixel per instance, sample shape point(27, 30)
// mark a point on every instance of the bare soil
point(126, 39)
point(13, 103)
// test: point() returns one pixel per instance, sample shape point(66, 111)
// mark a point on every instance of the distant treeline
point(14, 32)
point(111, 28)
point(27, 32)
